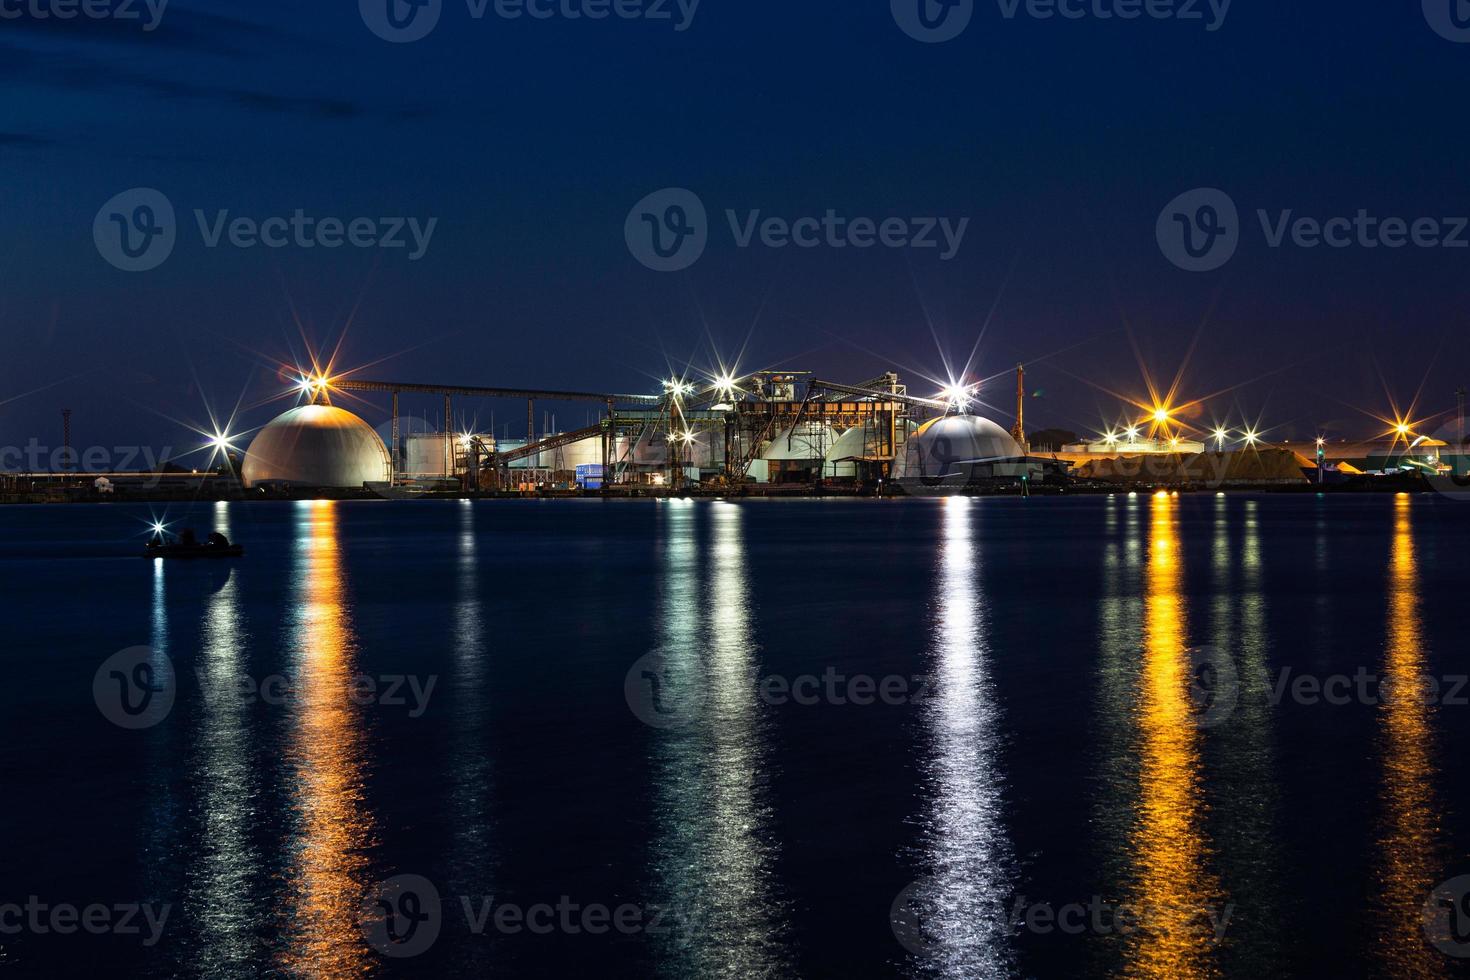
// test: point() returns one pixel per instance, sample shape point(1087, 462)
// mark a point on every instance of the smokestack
point(1018, 431)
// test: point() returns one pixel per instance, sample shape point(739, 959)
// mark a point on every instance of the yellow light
point(1402, 429)
point(1161, 416)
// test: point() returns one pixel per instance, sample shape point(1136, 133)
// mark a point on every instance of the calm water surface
point(964, 738)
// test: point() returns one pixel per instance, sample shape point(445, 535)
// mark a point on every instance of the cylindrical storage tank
point(424, 454)
point(316, 446)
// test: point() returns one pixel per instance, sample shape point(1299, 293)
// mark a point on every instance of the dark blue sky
point(530, 140)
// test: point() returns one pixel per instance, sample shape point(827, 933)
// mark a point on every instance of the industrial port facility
point(767, 432)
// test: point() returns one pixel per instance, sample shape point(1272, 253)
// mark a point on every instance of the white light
point(1132, 434)
point(957, 396)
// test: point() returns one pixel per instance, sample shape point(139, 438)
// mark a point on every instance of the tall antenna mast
point(1018, 431)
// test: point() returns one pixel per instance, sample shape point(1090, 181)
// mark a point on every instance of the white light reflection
point(226, 861)
point(469, 767)
point(964, 902)
point(713, 853)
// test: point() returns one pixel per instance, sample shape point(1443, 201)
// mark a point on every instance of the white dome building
point(316, 446)
point(856, 443)
point(959, 451)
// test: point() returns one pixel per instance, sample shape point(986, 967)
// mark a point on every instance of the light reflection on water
point(964, 902)
point(326, 874)
point(468, 766)
point(1245, 803)
point(713, 852)
point(1155, 847)
point(1409, 859)
point(225, 864)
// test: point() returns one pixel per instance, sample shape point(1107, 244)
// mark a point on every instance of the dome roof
point(857, 442)
point(800, 442)
point(316, 446)
point(950, 445)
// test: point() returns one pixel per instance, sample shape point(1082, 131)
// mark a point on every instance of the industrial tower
point(1018, 431)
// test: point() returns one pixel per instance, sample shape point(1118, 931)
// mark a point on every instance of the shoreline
point(1381, 485)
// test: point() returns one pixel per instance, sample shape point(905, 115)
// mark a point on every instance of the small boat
point(185, 546)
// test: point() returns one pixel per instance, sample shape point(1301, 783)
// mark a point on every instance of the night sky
point(530, 140)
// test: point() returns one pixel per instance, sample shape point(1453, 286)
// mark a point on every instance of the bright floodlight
point(1220, 436)
point(687, 438)
point(1132, 434)
point(1402, 428)
point(957, 396)
point(1251, 437)
point(1161, 415)
point(1110, 437)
